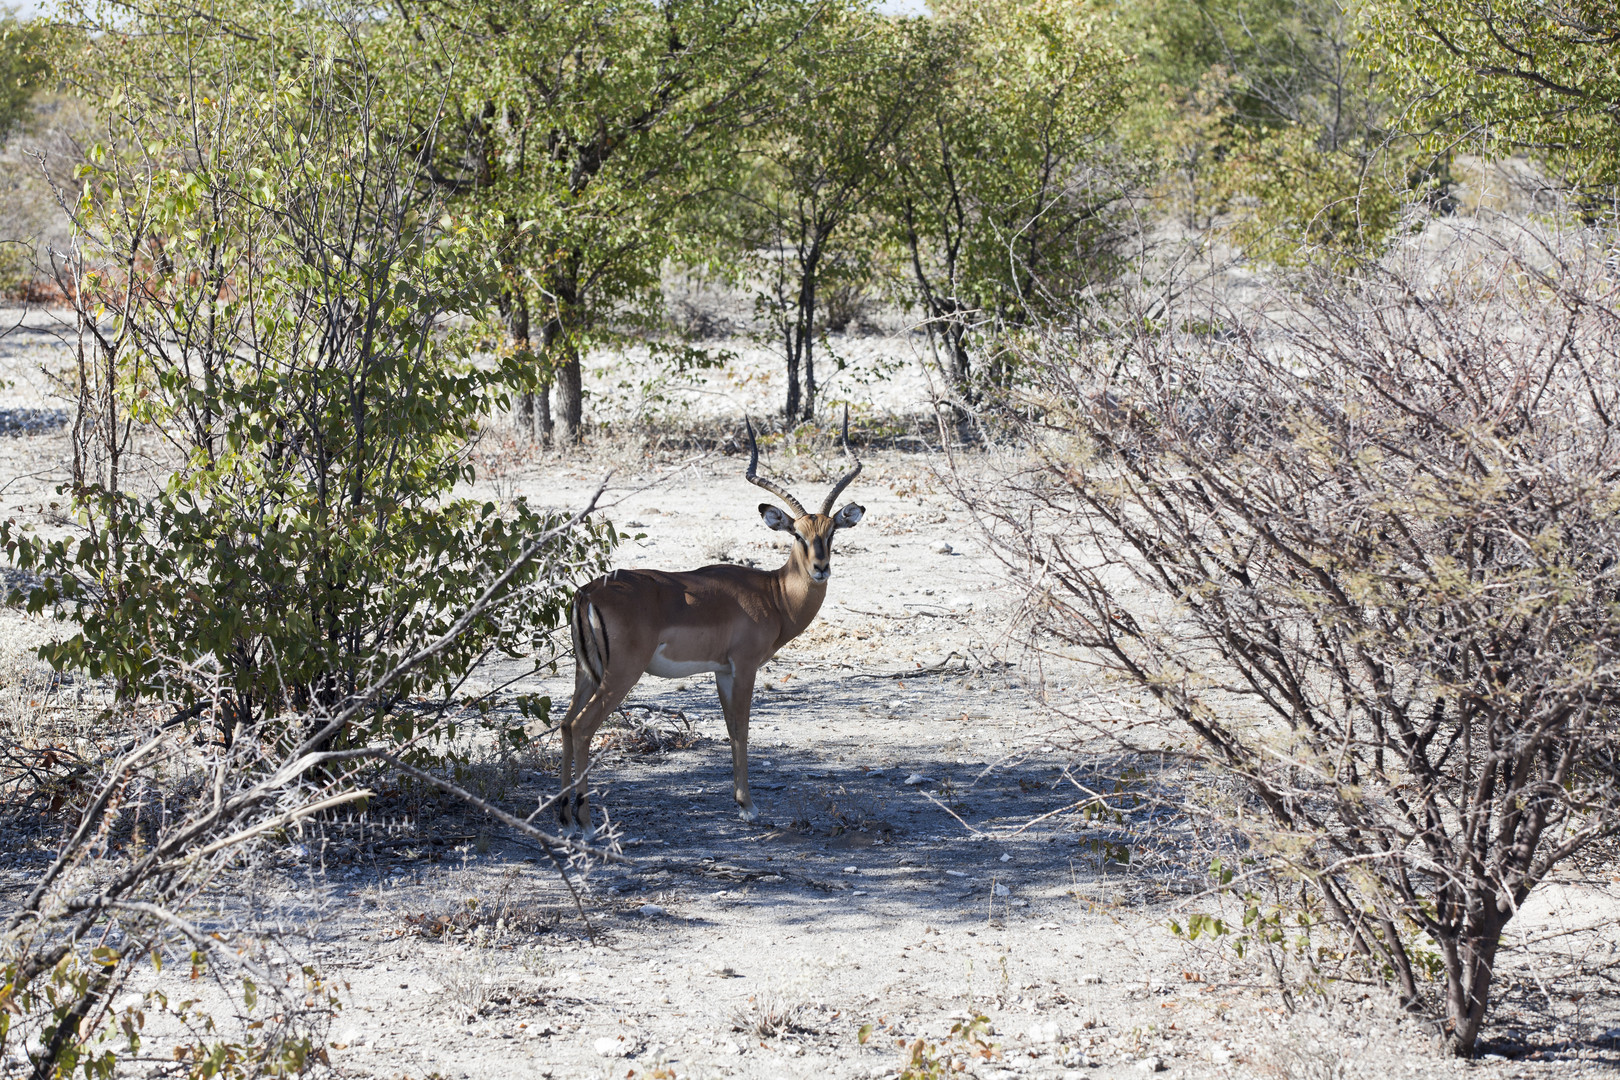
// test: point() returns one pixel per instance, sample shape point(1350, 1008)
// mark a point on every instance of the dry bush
point(771, 1015)
point(647, 729)
point(1357, 549)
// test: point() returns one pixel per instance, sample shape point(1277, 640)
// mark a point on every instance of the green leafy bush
point(274, 409)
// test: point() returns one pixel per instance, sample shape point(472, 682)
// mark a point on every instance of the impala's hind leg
point(575, 803)
point(597, 692)
point(584, 688)
point(590, 663)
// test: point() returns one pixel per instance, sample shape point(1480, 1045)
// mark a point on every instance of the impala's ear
point(849, 515)
point(775, 518)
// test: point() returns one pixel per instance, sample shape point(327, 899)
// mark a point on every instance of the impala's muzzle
point(820, 564)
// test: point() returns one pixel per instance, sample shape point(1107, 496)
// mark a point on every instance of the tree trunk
point(530, 405)
point(790, 338)
point(570, 397)
point(954, 331)
point(804, 316)
point(809, 377)
point(542, 413)
point(1470, 963)
point(560, 340)
point(534, 412)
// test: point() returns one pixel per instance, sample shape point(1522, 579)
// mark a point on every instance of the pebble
point(1002, 890)
point(918, 778)
point(1045, 1033)
point(610, 1047)
point(942, 548)
point(650, 910)
point(1150, 1065)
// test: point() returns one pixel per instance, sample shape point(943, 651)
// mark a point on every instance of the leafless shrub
point(469, 979)
point(1360, 546)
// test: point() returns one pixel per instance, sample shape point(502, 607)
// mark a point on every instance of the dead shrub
point(1357, 550)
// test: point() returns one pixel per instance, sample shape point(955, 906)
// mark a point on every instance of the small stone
point(942, 548)
point(650, 910)
point(1091, 978)
point(1005, 857)
point(1002, 890)
point(852, 869)
point(1044, 1033)
point(610, 1047)
point(918, 778)
point(1150, 1065)
point(955, 873)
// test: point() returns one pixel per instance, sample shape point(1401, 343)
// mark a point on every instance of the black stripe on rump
point(598, 639)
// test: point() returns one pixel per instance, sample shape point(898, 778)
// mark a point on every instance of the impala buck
point(723, 619)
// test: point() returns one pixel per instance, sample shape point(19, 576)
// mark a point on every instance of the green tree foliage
point(1291, 62)
point(844, 95)
point(264, 275)
point(24, 69)
point(997, 195)
point(1517, 75)
point(580, 133)
point(1265, 118)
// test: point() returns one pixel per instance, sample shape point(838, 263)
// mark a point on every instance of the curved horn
point(838, 489)
point(753, 464)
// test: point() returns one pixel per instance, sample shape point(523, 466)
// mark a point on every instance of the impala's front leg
point(736, 701)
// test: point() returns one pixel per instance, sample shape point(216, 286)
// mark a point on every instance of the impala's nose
point(821, 574)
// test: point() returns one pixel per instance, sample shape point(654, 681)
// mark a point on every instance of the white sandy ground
point(866, 902)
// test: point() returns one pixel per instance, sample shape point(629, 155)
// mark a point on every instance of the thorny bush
point(1359, 545)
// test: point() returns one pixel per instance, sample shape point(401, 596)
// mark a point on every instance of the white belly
point(665, 668)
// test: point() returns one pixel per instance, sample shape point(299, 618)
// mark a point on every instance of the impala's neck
point(801, 595)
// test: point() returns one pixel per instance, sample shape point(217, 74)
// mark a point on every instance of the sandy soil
point(914, 867)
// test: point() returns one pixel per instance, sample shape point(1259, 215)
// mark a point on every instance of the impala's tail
point(590, 637)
